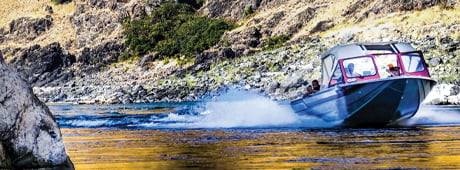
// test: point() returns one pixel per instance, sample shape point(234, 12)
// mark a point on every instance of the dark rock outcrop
point(26, 29)
point(2, 35)
point(48, 9)
point(322, 26)
point(94, 28)
point(233, 10)
point(204, 60)
point(102, 54)
point(40, 66)
point(148, 58)
point(29, 134)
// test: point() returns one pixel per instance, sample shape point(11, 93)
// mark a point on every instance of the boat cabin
point(352, 63)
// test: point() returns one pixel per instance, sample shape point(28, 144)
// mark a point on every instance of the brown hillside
point(357, 20)
point(60, 31)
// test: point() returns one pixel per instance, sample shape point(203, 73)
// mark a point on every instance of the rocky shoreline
point(282, 74)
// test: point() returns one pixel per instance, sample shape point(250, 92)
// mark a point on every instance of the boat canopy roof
point(332, 59)
point(361, 49)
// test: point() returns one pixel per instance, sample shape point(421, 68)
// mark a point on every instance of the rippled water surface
point(250, 132)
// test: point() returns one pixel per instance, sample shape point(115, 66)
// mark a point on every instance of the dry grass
point(328, 10)
point(433, 17)
point(415, 23)
point(433, 21)
point(13, 9)
point(61, 31)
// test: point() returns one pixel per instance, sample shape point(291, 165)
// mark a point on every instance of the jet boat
point(369, 84)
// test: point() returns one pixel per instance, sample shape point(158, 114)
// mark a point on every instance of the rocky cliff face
point(299, 19)
point(98, 39)
point(84, 67)
point(99, 31)
point(29, 134)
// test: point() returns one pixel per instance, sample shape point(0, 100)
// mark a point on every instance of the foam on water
point(434, 115)
point(242, 108)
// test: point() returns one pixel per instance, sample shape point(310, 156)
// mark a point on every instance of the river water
point(243, 130)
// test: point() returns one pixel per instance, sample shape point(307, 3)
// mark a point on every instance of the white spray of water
point(242, 108)
point(434, 115)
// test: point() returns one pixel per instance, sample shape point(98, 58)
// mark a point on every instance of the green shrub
point(173, 30)
point(123, 57)
point(275, 42)
point(196, 4)
point(247, 11)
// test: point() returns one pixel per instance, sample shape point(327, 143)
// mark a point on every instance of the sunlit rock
point(444, 94)
point(29, 134)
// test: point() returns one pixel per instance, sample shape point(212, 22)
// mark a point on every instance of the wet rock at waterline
point(29, 134)
point(444, 94)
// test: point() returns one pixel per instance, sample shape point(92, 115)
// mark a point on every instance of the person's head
point(351, 67)
point(393, 70)
point(389, 67)
point(315, 83)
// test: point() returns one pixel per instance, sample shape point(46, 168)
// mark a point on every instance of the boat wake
point(242, 109)
point(235, 108)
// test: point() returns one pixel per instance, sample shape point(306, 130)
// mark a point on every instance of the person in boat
point(350, 71)
point(393, 70)
point(315, 87)
point(309, 91)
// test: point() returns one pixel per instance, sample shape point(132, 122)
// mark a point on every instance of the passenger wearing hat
point(393, 70)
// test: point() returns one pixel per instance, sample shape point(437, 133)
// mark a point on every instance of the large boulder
point(29, 134)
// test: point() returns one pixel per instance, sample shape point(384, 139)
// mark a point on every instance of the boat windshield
point(412, 62)
point(336, 78)
point(383, 61)
point(359, 67)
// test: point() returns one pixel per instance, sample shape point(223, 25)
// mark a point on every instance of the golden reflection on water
point(429, 147)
